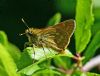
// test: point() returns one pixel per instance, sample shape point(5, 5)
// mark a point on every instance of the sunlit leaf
point(2, 71)
point(8, 62)
point(55, 19)
point(84, 21)
point(3, 38)
point(30, 69)
point(12, 49)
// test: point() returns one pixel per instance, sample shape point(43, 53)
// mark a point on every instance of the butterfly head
point(29, 32)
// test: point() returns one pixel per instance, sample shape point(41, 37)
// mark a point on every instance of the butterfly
point(56, 37)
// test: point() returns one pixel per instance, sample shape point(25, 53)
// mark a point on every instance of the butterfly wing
point(58, 36)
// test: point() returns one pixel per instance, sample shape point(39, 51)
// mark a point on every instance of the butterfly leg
point(48, 49)
point(42, 45)
point(30, 45)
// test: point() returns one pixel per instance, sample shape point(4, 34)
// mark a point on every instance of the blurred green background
point(37, 13)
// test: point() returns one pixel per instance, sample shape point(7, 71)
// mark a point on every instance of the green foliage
point(84, 21)
point(48, 62)
point(3, 38)
point(93, 46)
point(92, 74)
point(55, 19)
point(8, 64)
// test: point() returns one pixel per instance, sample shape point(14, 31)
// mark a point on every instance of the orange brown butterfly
point(56, 37)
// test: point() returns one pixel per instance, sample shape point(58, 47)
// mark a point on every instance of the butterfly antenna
point(25, 23)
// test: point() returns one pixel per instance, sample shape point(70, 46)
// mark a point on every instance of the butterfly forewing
point(58, 36)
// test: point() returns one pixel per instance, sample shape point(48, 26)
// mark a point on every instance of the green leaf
point(2, 71)
point(26, 64)
point(3, 38)
point(25, 59)
point(92, 74)
point(95, 28)
point(84, 21)
point(96, 12)
point(41, 53)
point(47, 72)
point(44, 53)
point(93, 46)
point(8, 62)
point(55, 19)
point(12, 49)
point(28, 57)
point(30, 69)
point(78, 72)
point(63, 61)
point(9, 55)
